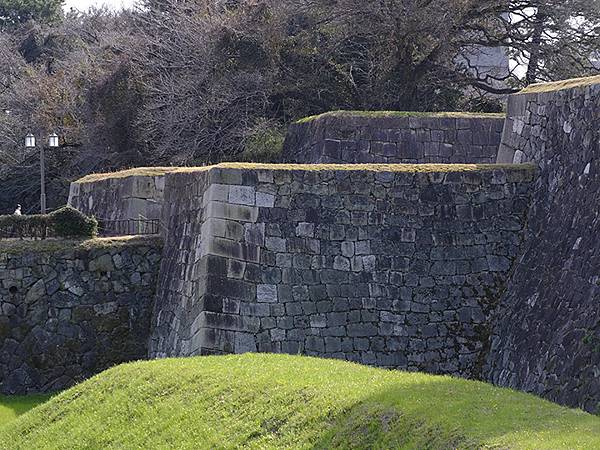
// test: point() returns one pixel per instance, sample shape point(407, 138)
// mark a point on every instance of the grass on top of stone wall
point(400, 114)
point(416, 168)
point(17, 246)
point(134, 172)
point(280, 401)
point(561, 85)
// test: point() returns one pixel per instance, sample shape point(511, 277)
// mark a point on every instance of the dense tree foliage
point(13, 12)
point(197, 81)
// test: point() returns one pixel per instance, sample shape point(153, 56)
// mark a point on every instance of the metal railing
point(127, 227)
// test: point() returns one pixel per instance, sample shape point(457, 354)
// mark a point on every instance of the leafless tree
point(206, 78)
point(57, 82)
point(199, 81)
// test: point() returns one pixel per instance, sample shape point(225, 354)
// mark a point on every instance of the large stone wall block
point(225, 176)
point(230, 211)
point(120, 198)
point(394, 138)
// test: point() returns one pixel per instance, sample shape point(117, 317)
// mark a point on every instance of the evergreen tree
point(14, 12)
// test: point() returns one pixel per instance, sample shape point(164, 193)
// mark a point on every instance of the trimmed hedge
point(65, 222)
point(70, 222)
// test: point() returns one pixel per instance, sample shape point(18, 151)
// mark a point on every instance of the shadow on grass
point(445, 413)
point(12, 407)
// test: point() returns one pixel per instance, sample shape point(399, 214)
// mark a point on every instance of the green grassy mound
point(13, 407)
point(269, 401)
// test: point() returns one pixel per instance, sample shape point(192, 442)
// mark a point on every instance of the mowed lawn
point(13, 407)
point(280, 401)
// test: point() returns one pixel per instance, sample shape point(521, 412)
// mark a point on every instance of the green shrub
point(69, 222)
point(64, 222)
point(263, 145)
point(34, 226)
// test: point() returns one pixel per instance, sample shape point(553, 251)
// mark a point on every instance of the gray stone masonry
point(547, 334)
point(347, 137)
point(131, 197)
point(179, 296)
point(490, 274)
point(69, 313)
point(391, 268)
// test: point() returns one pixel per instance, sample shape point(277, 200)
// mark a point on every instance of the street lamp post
point(52, 143)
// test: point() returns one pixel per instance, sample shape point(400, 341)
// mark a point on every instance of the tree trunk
point(536, 47)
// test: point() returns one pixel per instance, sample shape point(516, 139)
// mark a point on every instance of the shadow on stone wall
point(69, 310)
point(547, 339)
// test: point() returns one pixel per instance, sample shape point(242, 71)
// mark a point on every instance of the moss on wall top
point(415, 168)
point(16, 246)
point(561, 85)
point(134, 172)
point(400, 114)
point(138, 172)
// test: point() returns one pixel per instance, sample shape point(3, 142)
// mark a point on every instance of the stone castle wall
point(488, 273)
point(400, 269)
point(347, 137)
point(182, 282)
point(112, 199)
point(547, 338)
point(69, 311)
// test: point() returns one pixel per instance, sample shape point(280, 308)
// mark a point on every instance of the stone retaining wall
point(181, 287)
point(547, 340)
point(394, 268)
point(132, 197)
point(489, 273)
point(339, 137)
point(363, 137)
point(70, 310)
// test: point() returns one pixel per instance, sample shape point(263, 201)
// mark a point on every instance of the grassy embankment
point(16, 246)
point(269, 401)
point(13, 407)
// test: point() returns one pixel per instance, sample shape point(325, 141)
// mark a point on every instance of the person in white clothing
point(18, 210)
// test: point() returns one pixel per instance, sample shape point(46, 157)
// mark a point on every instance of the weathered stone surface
point(362, 138)
point(103, 263)
point(547, 338)
point(65, 315)
point(424, 258)
point(134, 197)
point(400, 269)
